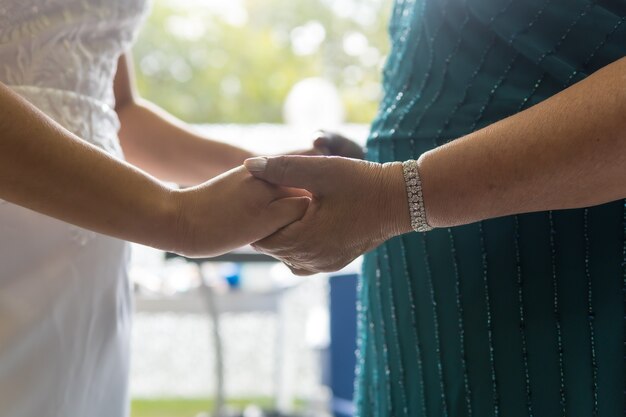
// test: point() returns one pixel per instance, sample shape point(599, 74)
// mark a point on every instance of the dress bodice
point(518, 316)
point(459, 65)
point(61, 55)
point(65, 298)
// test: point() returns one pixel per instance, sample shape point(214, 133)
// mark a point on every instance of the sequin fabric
point(516, 316)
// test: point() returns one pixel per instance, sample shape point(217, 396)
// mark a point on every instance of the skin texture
point(167, 148)
point(352, 203)
point(47, 169)
point(566, 152)
point(233, 210)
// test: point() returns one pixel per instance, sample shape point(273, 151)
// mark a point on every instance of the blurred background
point(239, 335)
point(236, 61)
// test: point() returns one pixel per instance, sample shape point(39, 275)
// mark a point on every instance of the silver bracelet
point(414, 194)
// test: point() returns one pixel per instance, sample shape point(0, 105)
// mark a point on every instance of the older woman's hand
point(356, 205)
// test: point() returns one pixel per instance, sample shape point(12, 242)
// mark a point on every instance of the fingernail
point(256, 164)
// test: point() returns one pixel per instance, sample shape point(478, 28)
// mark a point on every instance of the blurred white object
point(318, 328)
point(306, 39)
point(253, 411)
point(314, 103)
point(355, 43)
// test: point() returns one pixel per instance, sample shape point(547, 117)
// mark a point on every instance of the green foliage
point(227, 61)
point(169, 407)
point(190, 407)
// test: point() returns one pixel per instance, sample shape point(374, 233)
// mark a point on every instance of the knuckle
point(301, 272)
point(336, 265)
point(333, 164)
point(275, 247)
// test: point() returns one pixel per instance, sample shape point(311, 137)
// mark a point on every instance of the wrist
point(394, 200)
point(212, 159)
point(176, 214)
point(425, 173)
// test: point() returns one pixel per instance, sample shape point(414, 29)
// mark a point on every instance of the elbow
point(123, 103)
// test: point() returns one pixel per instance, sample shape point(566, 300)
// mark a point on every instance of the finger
point(320, 150)
point(299, 271)
point(273, 246)
point(296, 269)
point(338, 145)
point(276, 191)
point(315, 151)
point(284, 192)
point(322, 141)
point(276, 245)
point(333, 141)
point(282, 213)
point(319, 133)
point(308, 172)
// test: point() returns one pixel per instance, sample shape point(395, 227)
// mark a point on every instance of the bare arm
point(162, 145)
point(47, 169)
point(567, 152)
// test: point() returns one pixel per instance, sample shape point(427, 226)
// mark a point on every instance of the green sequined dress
point(515, 316)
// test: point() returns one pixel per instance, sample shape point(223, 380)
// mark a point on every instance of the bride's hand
point(232, 210)
point(333, 144)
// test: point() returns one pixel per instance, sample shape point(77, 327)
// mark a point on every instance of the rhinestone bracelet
point(416, 199)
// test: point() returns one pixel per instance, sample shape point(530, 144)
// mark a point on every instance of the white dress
point(65, 300)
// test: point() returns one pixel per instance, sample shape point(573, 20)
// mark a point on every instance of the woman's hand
point(232, 210)
point(335, 144)
point(45, 168)
point(355, 206)
point(329, 143)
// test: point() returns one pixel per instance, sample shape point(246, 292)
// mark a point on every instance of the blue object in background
point(342, 342)
point(232, 274)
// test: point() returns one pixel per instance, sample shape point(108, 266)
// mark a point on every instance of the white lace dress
point(65, 301)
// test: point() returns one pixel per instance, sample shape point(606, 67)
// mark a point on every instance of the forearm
point(566, 152)
point(165, 147)
point(45, 168)
point(569, 151)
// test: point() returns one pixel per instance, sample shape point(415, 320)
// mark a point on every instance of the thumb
point(283, 212)
point(308, 172)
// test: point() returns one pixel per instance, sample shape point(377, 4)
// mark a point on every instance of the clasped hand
point(354, 207)
point(314, 213)
point(235, 208)
point(232, 210)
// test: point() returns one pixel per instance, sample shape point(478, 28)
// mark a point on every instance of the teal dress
point(515, 316)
